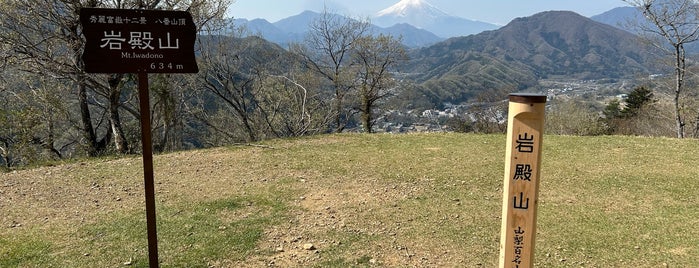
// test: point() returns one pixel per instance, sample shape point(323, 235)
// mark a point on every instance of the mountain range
point(546, 45)
point(553, 44)
point(418, 22)
point(294, 29)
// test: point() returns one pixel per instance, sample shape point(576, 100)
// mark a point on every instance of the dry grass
point(427, 200)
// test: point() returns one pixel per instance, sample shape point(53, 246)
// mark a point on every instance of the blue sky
point(492, 11)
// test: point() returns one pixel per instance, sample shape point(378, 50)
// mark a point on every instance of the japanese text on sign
point(128, 41)
point(525, 143)
point(518, 246)
point(523, 172)
point(102, 19)
point(137, 40)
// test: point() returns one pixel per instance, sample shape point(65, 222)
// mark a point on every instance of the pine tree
point(639, 97)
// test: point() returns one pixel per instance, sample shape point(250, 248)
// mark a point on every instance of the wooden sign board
point(138, 41)
point(521, 183)
point(143, 42)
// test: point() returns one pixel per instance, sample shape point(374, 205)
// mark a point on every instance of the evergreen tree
point(639, 97)
point(612, 110)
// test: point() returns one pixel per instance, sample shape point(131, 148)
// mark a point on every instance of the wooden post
point(175, 55)
point(144, 100)
point(525, 129)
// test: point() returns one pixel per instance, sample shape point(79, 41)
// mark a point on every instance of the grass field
point(418, 200)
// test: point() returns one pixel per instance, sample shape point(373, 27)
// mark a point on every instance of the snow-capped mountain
point(422, 14)
point(413, 9)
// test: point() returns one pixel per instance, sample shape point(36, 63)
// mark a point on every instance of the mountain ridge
point(562, 37)
point(515, 57)
point(293, 29)
point(551, 44)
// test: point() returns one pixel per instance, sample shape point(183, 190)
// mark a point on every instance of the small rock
point(128, 262)
point(279, 249)
point(372, 261)
point(86, 254)
point(637, 247)
point(309, 246)
point(118, 199)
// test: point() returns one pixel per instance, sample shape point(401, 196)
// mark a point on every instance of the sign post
point(142, 42)
point(521, 183)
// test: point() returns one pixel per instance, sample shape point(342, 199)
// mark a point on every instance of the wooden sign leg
point(521, 183)
point(144, 102)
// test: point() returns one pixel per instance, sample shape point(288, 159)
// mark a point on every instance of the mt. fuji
point(413, 8)
point(422, 14)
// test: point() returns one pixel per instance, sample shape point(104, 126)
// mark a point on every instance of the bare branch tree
point(376, 56)
point(45, 38)
point(327, 51)
point(676, 24)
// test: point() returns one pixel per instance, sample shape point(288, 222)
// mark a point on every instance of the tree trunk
point(87, 130)
point(338, 111)
point(120, 141)
point(679, 81)
point(5, 154)
point(366, 113)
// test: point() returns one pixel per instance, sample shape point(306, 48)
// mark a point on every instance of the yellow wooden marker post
point(525, 129)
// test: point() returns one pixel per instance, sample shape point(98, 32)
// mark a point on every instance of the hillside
point(423, 200)
point(516, 56)
point(632, 20)
point(625, 18)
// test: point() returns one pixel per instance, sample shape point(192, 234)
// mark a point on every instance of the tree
point(249, 89)
point(222, 76)
point(376, 56)
point(327, 52)
point(44, 37)
point(636, 100)
point(637, 115)
point(293, 104)
point(673, 25)
point(33, 125)
point(613, 109)
point(489, 111)
point(573, 117)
